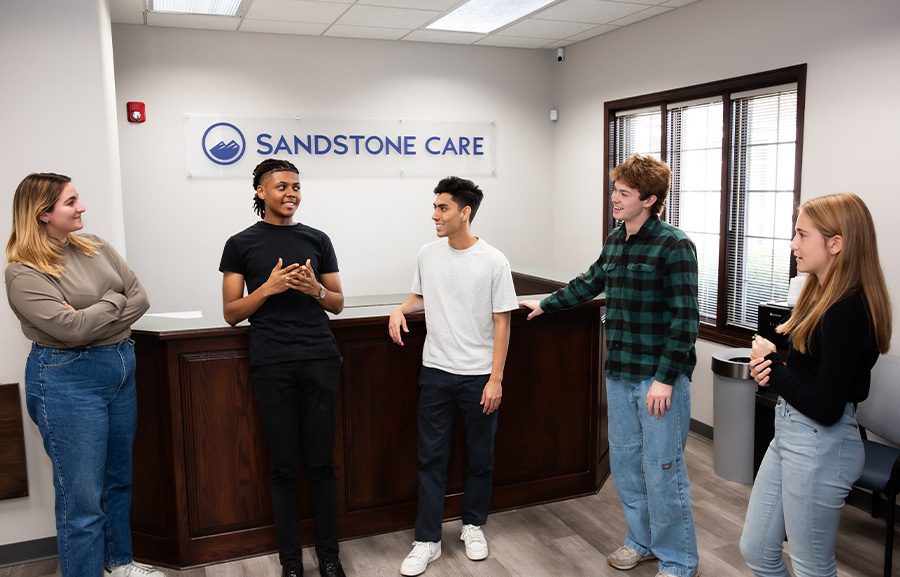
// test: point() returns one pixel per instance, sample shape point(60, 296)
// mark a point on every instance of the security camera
point(560, 54)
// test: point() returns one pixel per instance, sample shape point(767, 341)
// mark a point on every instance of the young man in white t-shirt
point(465, 287)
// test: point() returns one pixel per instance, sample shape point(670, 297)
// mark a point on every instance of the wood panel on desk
point(157, 520)
point(225, 456)
point(13, 469)
point(532, 393)
point(379, 438)
point(201, 486)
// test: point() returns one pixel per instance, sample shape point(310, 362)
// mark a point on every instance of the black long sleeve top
point(836, 367)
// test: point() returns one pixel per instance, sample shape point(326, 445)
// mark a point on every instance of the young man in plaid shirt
point(648, 269)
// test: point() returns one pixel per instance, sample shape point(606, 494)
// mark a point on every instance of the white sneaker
point(423, 553)
point(134, 569)
point(476, 545)
point(626, 558)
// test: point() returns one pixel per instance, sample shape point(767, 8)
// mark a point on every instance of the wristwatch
point(322, 292)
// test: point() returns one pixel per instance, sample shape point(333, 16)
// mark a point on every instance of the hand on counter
point(395, 324)
point(533, 306)
point(414, 304)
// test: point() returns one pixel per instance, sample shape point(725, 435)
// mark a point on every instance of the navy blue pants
point(441, 395)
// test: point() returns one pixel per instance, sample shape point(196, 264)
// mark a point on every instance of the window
point(734, 148)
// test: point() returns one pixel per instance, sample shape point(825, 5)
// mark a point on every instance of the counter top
point(355, 308)
point(546, 273)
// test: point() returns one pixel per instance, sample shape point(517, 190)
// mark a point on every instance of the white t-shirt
point(462, 289)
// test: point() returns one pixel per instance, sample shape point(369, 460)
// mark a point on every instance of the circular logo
point(223, 143)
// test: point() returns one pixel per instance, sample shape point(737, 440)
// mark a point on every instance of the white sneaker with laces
point(476, 544)
point(626, 558)
point(134, 569)
point(423, 553)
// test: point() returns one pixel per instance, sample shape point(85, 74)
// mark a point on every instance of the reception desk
point(201, 489)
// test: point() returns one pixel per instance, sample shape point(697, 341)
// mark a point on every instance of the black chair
point(880, 415)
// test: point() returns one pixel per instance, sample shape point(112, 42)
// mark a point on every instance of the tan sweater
point(105, 296)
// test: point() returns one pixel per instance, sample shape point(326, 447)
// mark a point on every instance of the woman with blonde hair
point(76, 299)
point(841, 322)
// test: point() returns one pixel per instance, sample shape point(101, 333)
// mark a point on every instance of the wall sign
point(220, 145)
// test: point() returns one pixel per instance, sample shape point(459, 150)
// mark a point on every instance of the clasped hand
point(760, 367)
point(298, 277)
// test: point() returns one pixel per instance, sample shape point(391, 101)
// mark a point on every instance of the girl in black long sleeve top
point(836, 367)
point(841, 322)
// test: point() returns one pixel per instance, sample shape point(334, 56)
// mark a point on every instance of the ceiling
point(562, 23)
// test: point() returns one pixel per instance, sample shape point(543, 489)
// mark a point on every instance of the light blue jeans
point(647, 465)
point(84, 402)
point(799, 493)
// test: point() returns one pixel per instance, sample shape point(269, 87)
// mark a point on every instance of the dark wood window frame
point(721, 332)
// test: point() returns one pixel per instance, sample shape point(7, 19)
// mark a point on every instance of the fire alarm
point(136, 111)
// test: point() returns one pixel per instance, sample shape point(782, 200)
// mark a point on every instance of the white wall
point(58, 115)
point(176, 226)
point(853, 54)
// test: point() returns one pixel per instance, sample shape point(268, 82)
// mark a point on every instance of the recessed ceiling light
point(213, 7)
point(485, 16)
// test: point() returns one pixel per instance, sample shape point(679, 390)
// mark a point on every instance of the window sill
point(731, 336)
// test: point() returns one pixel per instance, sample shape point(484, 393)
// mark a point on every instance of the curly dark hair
point(261, 170)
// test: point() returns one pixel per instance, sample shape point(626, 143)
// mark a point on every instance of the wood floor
point(568, 538)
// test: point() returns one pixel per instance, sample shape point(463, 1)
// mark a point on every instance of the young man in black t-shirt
point(291, 275)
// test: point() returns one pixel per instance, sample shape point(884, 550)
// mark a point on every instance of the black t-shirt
point(289, 326)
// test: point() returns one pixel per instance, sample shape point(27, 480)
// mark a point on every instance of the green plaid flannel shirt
point(652, 315)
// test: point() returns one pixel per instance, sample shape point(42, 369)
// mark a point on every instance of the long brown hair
point(855, 268)
point(29, 243)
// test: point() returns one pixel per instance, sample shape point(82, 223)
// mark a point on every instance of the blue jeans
point(441, 395)
point(84, 402)
point(799, 493)
point(648, 468)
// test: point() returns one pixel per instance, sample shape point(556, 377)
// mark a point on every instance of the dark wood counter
point(201, 489)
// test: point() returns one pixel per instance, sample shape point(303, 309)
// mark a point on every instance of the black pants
point(441, 395)
point(296, 401)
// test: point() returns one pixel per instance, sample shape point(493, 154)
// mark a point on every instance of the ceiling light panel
point(483, 16)
point(211, 7)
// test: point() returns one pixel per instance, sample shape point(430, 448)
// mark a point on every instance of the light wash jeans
point(648, 468)
point(799, 493)
point(84, 402)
